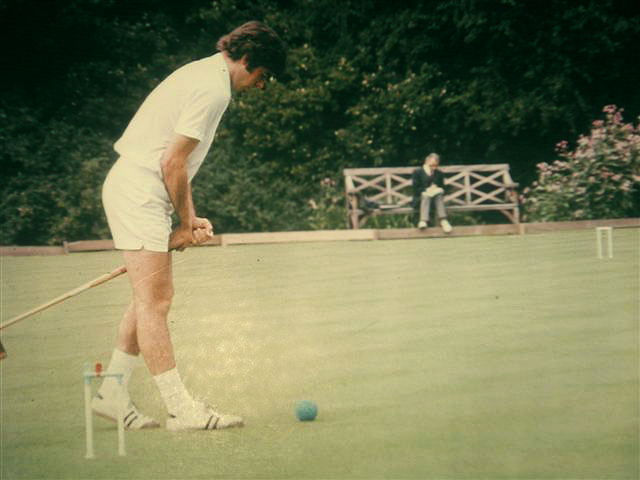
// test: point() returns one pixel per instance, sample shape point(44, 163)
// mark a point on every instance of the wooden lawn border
point(228, 239)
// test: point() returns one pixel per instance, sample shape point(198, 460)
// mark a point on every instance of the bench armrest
point(508, 181)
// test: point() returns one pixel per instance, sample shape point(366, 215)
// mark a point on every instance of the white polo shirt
point(191, 102)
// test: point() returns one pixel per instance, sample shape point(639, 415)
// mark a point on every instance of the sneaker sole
point(208, 426)
point(146, 426)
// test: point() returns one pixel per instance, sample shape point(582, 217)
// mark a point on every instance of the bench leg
point(514, 217)
point(354, 222)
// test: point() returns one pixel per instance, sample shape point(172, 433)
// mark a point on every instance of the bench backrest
point(466, 185)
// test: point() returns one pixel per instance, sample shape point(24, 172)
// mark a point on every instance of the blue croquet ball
point(306, 410)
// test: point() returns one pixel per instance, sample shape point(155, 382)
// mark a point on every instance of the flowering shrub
point(600, 179)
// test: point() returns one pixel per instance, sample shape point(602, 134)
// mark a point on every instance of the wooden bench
point(388, 190)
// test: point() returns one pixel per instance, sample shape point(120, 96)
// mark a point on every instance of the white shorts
point(138, 207)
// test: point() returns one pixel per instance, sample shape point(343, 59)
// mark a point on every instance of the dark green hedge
point(369, 83)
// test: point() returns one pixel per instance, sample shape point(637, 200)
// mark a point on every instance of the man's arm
point(174, 172)
point(201, 227)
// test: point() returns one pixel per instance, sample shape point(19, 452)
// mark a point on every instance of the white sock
point(172, 390)
point(121, 362)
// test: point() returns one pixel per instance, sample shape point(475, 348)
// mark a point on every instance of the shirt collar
point(222, 66)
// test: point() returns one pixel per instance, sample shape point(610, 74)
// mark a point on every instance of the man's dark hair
point(259, 43)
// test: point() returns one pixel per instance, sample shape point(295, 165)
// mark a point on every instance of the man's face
point(246, 80)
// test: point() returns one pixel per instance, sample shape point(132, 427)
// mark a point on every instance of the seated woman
point(428, 186)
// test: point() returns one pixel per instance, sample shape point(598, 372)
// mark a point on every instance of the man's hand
point(202, 223)
point(201, 231)
point(181, 238)
point(201, 235)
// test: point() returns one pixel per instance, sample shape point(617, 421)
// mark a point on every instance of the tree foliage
point(368, 83)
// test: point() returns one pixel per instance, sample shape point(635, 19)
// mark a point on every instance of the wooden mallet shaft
point(71, 293)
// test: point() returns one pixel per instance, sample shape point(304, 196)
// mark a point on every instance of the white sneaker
point(446, 226)
point(422, 224)
point(133, 418)
point(201, 417)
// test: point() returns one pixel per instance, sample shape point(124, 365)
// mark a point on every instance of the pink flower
point(561, 146)
point(560, 164)
point(542, 166)
point(583, 141)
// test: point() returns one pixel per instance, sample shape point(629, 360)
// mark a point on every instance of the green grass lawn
point(477, 357)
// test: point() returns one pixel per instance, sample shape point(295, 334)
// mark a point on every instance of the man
point(160, 152)
point(428, 186)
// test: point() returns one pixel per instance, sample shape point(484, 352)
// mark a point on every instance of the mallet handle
point(93, 283)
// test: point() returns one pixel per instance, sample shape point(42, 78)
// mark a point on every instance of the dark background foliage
point(369, 83)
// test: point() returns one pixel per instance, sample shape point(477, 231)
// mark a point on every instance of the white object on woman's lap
point(432, 191)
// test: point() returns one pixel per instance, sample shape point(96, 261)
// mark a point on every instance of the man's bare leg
point(150, 274)
point(125, 356)
point(144, 329)
point(127, 340)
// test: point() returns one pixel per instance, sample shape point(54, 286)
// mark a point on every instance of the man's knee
point(164, 303)
point(158, 304)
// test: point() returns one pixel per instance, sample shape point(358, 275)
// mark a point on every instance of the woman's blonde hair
point(434, 156)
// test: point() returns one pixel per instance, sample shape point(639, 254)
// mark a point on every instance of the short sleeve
point(197, 113)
